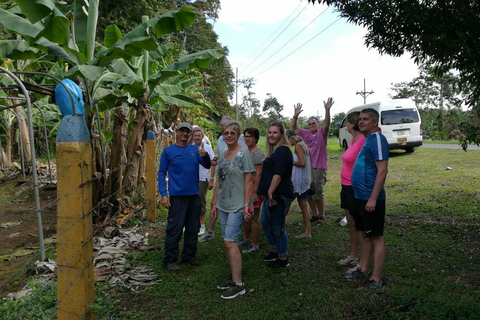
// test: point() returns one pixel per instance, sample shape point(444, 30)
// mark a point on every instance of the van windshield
point(390, 117)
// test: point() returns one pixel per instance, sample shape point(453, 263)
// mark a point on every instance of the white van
point(399, 121)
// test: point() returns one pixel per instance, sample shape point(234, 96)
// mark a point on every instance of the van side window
point(390, 117)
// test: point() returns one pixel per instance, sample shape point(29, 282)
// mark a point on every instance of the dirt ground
point(19, 228)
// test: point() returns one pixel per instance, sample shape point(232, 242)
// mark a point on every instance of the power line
point(276, 37)
point(270, 36)
point(298, 48)
point(291, 39)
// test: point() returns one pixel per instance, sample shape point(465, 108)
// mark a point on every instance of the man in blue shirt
point(368, 178)
point(180, 161)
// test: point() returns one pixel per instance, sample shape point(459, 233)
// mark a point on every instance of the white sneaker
point(202, 230)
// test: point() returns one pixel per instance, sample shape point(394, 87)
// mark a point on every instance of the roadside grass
point(431, 272)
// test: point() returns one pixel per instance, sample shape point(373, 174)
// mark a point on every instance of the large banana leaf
point(36, 10)
point(19, 25)
point(167, 23)
point(180, 100)
point(17, 49)
point(58, 28)
point(198, 60)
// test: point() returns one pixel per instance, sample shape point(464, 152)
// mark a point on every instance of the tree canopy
point(444, 33)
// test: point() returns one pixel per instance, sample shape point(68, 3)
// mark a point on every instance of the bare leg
point(365, 253)
point(255, 227)
point(320, 208)
point(306, 217)
point(379, 254)
point(313, 207)
point(235, 260)
point(211, 223)
point(247, 229)
point(355, 236)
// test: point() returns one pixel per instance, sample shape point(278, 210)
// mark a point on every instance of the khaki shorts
point(319, 177)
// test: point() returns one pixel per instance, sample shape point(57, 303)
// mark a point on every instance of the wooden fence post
point(75, 290)
point(151, 177)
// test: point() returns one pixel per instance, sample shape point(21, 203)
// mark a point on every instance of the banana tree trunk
point(118, 158)
point(135, 148)
point(23, 128)
point(7, 152)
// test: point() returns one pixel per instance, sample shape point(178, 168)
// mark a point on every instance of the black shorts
point(347, 198)
point(372, 223)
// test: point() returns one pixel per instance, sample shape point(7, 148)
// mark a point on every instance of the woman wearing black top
point(276, 185)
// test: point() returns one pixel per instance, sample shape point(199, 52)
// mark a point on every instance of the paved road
point(448, 146)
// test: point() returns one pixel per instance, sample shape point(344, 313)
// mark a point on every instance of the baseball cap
point(184, 125)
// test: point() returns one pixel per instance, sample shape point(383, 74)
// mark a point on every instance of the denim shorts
point(231, 224)
point(302, 197)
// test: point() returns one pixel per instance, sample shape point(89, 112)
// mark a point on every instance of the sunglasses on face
point(230, 133)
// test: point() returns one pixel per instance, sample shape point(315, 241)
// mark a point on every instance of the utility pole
point(236, 94)
point(364, 93)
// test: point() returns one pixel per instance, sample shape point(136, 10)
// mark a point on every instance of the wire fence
point(73, 245)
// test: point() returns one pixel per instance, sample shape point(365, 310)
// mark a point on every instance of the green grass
point(432, 256)
point(431, 272)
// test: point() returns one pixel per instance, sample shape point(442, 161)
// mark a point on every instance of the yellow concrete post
point(75, 291)
point(151, 177)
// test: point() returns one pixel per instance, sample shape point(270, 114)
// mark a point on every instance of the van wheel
point(409, 150)
point(345, 145)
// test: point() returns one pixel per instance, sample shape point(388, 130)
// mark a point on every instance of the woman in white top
point(301, 178)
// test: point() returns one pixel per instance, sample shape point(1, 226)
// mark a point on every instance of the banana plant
point(114, 71)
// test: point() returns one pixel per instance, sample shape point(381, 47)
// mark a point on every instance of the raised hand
point(329, 103)
point(297, 109)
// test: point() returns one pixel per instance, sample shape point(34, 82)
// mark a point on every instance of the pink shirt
point(317, 143)
point(348, 160)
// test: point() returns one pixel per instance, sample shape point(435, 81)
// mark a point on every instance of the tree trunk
point(23, 128)
point(135, 149)
point(8, 147)
point(118, 158)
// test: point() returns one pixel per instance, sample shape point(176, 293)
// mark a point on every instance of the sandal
point(352, 270)
point(321, 221)
point(348, 261)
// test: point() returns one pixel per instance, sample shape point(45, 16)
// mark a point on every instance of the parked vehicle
point(399, 121)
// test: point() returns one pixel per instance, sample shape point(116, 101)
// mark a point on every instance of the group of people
point(252, 191)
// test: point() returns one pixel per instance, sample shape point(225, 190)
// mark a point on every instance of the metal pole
point(236, 94)
point(34, 161)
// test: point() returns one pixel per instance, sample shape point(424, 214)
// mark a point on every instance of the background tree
point(272, 110)
point(431, 90)
point(336, 121)
point(444, 33)
point(250, 105)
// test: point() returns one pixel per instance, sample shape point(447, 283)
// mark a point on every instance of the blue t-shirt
point(365, 169)
point(181, 164)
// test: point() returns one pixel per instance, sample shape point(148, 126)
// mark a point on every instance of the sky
point(327, 59)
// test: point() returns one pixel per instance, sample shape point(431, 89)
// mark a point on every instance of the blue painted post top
point(150, 135)
point(73, 129)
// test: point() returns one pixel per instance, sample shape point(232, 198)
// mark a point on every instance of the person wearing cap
point(180, 162)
